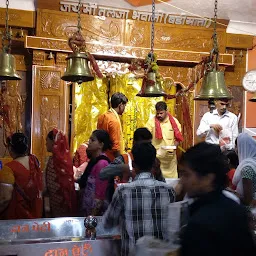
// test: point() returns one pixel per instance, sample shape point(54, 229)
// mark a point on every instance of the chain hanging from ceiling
point(152, 80)
point(78, 70)
point(7, 61)
point(213, 85)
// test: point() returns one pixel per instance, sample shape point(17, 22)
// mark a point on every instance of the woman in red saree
point(20, 182)
point(59, 174)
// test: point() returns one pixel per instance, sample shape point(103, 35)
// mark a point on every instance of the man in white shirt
point(220, 126)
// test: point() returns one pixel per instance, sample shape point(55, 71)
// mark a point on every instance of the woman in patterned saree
point(93, 189)
point(59, 178)
point(20, 182)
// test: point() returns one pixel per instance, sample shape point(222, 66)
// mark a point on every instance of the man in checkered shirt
point(140, 207)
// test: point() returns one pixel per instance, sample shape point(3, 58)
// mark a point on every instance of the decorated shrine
point(115, 37)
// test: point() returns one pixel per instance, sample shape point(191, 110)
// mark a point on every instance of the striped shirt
point(140, 207)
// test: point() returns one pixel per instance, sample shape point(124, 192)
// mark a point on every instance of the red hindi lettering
point(76, 250)
point(15, 229)
point(87, 249)
point(51, 253)
point(25, 228)
point(46, 226)
point(63, 252)
point(35, 226)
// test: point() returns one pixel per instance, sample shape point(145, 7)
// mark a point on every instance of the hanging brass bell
point(253, 99)
point(213, 87)
point(152, 88)
point(78, 70)
point(8, 67)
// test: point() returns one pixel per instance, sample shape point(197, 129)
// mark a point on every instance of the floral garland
point(149, 65)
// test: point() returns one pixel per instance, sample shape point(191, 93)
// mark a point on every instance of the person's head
point(99, 142)
point(118, 102)
point(142, 135)
point(161, 110)
point(211, 105)
point(232, 158)
point(144, 155)
point(246, 147)
point(50, 141)
point(56, 139)
point(221, 105)
point(17, 145)
point(203, 169)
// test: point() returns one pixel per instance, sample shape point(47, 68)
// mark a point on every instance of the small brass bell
point(77, 70)
point(20, 34)
point(8, 67)
point(213, 87)
point(253, 99)
point(50, 56)
point(151, 89)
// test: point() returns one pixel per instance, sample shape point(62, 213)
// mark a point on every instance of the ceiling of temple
point(235, 10)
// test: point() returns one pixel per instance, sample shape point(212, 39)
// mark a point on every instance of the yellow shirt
point(6, 175)
point(167, 132)
point(168, 160)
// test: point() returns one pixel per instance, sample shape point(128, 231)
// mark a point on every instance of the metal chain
point(153, 29)
point(6, 35)
point(215, 39)
point(79, 16)
point(7, 16)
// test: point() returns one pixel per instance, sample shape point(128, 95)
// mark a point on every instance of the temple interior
point(62, 61)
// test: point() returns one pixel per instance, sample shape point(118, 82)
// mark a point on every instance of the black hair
point(50, 135)
point(118, 98)
point(19, 143)
point(142, 134)
point(103, 137)
point(232, 158)
point(205, 158)
point(144, 155)
point(160, 106)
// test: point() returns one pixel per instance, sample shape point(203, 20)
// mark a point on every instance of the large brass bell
point(8, 67)
point(151, 89)
point(213, 87)
point(78, 70)
point(253, 99)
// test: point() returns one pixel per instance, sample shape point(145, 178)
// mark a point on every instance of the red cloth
point(80, 156)
point(177, 134)
point(64, 169)
point(230, 178)
point(26, 200)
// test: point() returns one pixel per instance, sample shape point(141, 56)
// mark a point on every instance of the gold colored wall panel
point(137, 33)
point(125, 52)
point(239, 41)
point(234, 75)
point(49, 106)
point(121, 32)
point(189, 39)
point(60, 25)
point(18, 18)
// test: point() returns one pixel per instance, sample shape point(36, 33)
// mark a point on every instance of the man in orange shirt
point(110, 122)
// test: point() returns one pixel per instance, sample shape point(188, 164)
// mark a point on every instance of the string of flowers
point(147, 65)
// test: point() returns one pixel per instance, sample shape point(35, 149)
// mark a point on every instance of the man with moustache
point(219, 127)
point(166, 131)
